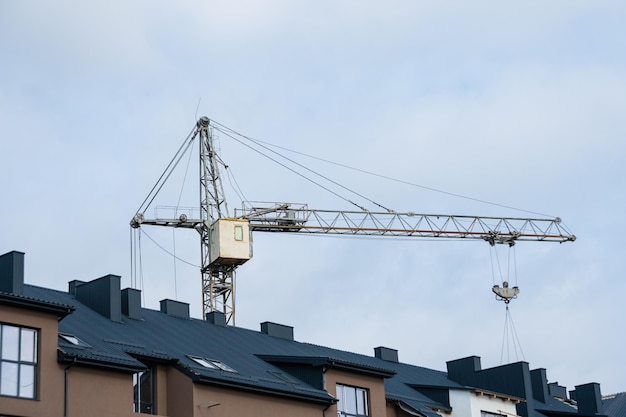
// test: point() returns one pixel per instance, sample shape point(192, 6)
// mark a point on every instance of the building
point(94, 351)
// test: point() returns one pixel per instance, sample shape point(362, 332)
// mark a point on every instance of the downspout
point(65, 396)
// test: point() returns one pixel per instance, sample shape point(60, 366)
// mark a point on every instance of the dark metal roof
point(615, 405)
point(129, 344)
point(418, 407)
point(554, 407)
point(333, 362)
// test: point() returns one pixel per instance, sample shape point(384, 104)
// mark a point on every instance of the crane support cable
point(412, 184)
point(293, 170)
point(220, 128)
point(168, 171)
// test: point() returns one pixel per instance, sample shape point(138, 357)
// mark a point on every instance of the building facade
point(94, 351)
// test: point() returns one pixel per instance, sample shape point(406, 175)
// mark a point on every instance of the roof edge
point(61, 310)
point(322, 398)
point(332, 363)
point(67, 358)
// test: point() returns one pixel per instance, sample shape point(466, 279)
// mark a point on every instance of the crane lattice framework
point(226, 243)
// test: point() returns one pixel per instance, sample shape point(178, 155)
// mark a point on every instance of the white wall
point(466, 403)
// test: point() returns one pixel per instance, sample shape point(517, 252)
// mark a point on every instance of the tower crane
point(226, 243)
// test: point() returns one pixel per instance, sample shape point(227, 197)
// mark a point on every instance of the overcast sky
point(518, 104)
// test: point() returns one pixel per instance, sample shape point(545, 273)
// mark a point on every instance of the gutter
point(255, 388)
point(63, 357)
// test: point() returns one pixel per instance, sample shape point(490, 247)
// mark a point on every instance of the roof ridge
point(47, 289)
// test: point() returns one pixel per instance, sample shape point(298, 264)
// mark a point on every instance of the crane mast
point(226, 241)
point(218, 280)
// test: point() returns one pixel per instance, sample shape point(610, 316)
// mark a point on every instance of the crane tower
point(225, 240)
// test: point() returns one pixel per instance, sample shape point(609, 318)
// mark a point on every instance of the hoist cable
point(510, 333)
point(514, 264)
point(219, 128)
point(498, 263)
point(132, 254)
point(493, 271)
point(180, 196)
point(143, 293)
point(174, 259)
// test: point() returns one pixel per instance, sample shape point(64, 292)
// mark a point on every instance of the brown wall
point(179, 394)
point(160, 390)
point(50, 389)
point(95, 392)
point(375, 386)
point(242, 404)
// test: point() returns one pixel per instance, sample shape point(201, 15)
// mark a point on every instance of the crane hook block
point(505, 293)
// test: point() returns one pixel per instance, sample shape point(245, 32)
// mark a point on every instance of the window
point(239, 233)
point(352, 401)
point(490, 414)
point(18, 361)
point(143, 391)
point(211, 364)
point(70, 338)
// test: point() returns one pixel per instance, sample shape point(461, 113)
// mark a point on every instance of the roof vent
point(216, 317)
point(588, 398)
point(464, 370)
point(175, 308)
point(12, 273)
point(386, 354)
point(539, 382)
point(72, 285)
point(277, 330)
point(557, 390)
point(131, 303)
point(101, 295)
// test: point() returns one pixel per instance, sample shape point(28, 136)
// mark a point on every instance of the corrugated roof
point(614, 405)
point(165, 338)
point(553, 406)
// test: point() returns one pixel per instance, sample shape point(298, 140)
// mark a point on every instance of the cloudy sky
point(520, 106)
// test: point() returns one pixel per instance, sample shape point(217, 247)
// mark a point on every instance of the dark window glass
point(143, 391)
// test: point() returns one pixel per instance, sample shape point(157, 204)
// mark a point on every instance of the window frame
point(344, 409)
point(25, 363)
point(238, 233)
point(74, 340)
point(213, 364)
point(485, 413)
point(138, 401)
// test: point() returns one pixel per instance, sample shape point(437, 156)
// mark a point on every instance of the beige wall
point(375, 386)
point(50, 386)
